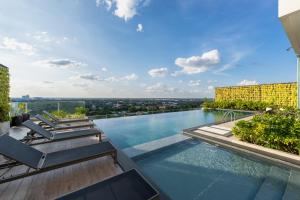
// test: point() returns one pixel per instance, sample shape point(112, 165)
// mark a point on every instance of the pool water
point(193, 170)
point(130, 131)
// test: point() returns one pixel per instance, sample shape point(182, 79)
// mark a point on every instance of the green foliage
point(238, 105)
point(80, 110)
point(22, 107)
point(281, 94)
point(280, 130)
point(60, 114)
point(4, 94)
point(63, 114)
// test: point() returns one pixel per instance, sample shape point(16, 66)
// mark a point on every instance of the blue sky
point(141, 48)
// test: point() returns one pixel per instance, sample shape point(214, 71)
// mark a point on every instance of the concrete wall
point(286, 7)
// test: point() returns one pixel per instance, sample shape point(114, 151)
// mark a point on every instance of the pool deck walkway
point(231, 142)
point(154, 145)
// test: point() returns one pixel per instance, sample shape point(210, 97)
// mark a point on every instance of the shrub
point(60, 114)
point(238, 105)
point(79, 113)
point(280, 130)
point(3, 115)
point(80, 110)
point(22, 107)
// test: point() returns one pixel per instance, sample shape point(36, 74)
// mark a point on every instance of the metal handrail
point(230, 113)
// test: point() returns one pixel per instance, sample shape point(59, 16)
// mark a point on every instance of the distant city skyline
point(141, 48)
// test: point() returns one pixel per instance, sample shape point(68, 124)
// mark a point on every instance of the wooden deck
point(60, 181)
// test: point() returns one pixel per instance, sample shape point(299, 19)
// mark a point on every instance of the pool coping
point(142, 149)
point(272, 156)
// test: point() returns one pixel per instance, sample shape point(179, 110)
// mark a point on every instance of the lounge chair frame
point(31, 136)
point(53, 126)
point(33, 171)
point(38, 171)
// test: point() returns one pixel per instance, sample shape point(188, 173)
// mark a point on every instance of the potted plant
point(17, 120)
point(22, 109)
point(16, 116)
point(4, 121)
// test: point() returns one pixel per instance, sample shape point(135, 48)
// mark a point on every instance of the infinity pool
point(194, 170)
point(130, 131)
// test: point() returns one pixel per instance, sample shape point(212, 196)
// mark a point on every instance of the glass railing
point(37, 107)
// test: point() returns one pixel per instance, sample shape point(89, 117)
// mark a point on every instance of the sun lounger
point(39, 162)
point(54, 126)
point(53, 136)
point(62, 121)
point(129, 185)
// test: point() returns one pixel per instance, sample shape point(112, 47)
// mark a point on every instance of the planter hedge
point(280, 130)
point(281, 94)
point(4, 93)
point(238, 105)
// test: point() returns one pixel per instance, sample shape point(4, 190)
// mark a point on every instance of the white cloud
point(111, 79)
point(94, 77)
point(160, 88)
point(125, 9)
point(91, 77)
point(48, 82)
point(81, 85)
point(45, 37)
point(107, 3)
point(104, 69)
point(19, 47)
point(212, 81)
point(248, 82)
point(234, 60)
point(193, 83)
point(197, 64)
point(177, 73)
point(139, 28)
point(158, 72)
point(130, 77)
point(98, 3)
point(61, 63)
point(146, 3)
point(194, 91)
